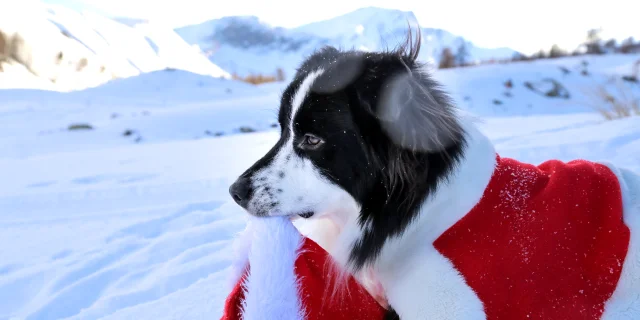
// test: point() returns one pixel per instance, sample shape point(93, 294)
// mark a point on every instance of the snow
point(99, 224)
point(157, 106)
point(379, 20)
point(145, 46)
point(17, 76)
point(478, 88)
point(245, 45)
point(109, 48)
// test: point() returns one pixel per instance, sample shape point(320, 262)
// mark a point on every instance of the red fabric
point(544, 242)
point(352, 302)
point(233, 303)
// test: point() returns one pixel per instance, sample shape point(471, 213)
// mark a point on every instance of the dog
point(403, 189)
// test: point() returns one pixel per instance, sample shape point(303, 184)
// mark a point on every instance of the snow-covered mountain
point(72, 50)
point(247, 45)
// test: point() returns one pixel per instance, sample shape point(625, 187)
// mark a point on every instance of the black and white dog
point(404, 191)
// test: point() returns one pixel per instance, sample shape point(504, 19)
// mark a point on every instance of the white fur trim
point(444, 293)
point(241, 246)
point(625, 301)
point(271, 288)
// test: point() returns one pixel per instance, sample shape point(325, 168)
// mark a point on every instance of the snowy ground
point(97, 225)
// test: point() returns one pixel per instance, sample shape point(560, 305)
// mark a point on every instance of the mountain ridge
point(245, 45)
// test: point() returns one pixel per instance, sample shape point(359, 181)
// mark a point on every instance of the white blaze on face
point(291, 184)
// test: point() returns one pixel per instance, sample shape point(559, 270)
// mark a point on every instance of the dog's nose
point(240, 191)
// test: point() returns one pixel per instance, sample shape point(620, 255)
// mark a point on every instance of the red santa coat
point(554, 241)
point(544, 242)
point(282, 275)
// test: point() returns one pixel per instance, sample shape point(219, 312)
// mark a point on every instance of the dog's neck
point(451, 201)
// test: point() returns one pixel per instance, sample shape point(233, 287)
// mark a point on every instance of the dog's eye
point(311, 142)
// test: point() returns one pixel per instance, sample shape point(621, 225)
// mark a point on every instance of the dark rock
point(557, 90)
point(79, 126)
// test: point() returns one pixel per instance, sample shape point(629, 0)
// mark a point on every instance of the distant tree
point(540, 55)
point(627, 45)
point(556, 52)
point(593, 44)
point(280, 75)
point(3, 44)
point(611, 45)
point(254, 78)
point(462, 54)
point(519, 57)
point(82, 63)
point(17, 51)
point(59, 57)
point(447, 59)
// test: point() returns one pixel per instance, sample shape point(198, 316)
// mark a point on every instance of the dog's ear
point(341, 72)
point(412, 108)
point(416, 113)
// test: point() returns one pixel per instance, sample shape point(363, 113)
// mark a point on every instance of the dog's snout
point(240, 191)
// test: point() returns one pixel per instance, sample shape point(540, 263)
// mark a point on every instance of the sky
point(526, 26)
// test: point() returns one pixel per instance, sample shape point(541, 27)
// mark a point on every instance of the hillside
point(176, 105)
point(245, 45)
point(58, 48)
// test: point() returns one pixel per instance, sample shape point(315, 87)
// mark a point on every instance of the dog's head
point(369, 132)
